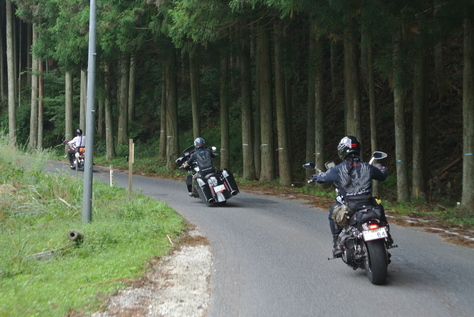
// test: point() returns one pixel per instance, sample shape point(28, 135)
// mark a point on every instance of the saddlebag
point(205, 190)
point(229, 181)
point(340, 215)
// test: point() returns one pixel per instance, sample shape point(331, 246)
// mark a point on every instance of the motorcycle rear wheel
point(376, 261)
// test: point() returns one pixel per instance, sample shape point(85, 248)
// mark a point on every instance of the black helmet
point(348, 145)
point(199, 143)
point(78, 132)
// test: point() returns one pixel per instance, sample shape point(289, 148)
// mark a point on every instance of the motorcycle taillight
point(373, 226)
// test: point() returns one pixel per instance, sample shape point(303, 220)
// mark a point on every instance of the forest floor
point(179, 284)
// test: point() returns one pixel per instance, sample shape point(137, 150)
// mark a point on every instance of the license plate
point(219, 188)
point(379, 233)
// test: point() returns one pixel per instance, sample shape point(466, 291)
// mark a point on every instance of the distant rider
point(203, 157)
point(353, 180)
point(79, 142)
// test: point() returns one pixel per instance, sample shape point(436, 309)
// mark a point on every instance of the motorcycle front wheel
point(376, 261)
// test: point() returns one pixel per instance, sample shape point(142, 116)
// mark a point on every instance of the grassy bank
point(42, 272)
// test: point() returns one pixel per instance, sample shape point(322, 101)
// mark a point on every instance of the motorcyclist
point(79, 142)
point(203, 157)
point(353, 180)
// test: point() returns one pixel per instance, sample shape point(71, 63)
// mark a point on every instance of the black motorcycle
point(364, 239)
point(215, 187)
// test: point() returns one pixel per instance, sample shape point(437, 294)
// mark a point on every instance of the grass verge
point(42, 272)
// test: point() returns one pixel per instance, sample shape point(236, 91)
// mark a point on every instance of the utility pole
point(90, 113)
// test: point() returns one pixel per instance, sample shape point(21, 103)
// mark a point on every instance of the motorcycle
point(79, 156)
point(215, 187)
point(364, 239)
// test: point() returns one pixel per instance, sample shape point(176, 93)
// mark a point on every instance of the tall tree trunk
point(419, 127)
point(399, 117)
point(163, 112)
point(11, 77)
point(284, 167)
point(195, 96)
point(40, 104)
point(68, 106)
point(441, 82)
point(372, 107)
point(83, 100)
point(334, 58)
point(467, 200)
point(100, 114)
point(318, 98)
point(109, 128)
point(33, 139)
point(264, 58)
point(247, 119)
point(224, 108)
point(351, 84)
point(131, 90)
point(310, 111)
point(172, 139)
point(123, 102)
point(3, 82)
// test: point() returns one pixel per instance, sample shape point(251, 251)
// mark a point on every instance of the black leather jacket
point(352, 177)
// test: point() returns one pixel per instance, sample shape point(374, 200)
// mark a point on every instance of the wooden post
point(131, 155)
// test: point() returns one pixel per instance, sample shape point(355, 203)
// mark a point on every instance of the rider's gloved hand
point(381, 167)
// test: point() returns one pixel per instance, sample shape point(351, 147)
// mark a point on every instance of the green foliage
point(38, 209)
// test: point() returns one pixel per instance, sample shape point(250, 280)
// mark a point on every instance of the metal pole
point(87, 196)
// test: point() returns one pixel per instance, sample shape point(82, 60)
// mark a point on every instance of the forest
point(272, 83)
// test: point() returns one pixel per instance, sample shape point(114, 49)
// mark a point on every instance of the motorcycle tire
point(376, 262)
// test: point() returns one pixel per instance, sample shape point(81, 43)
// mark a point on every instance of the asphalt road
point(271, 259)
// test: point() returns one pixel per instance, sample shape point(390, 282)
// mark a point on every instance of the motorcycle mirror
point(378, 155)
point(213, 148)
point(329, 164)
point(309, 166)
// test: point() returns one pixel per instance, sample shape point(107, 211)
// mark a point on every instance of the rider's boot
point(389, 238)
point(336, 251)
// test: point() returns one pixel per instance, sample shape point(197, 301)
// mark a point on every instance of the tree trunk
point(318, 99)
point(172, 140)
point(310, 111)
point(351, 85)
point(33, 139)
point(131, 90)
point(372, 107)
point(68, 107)
point(284, 167)
point(40, 104)
point(264, 58)
point(3, 82)
point(441, 82)
point(163, 112)
point(334, 58)
point(11, 77)
point(123, 102)
point(399, 118)
point(83, 100)
point(109, 128)
point(224, 108)
point(247, 119)
point(195, 97)
point(467, 200)
point(419, 127)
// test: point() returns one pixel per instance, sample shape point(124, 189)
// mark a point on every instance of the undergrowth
point(42, 271)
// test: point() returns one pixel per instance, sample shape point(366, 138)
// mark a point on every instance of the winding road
point(271, 259)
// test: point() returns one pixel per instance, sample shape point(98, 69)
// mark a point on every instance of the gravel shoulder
point(174, 285)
